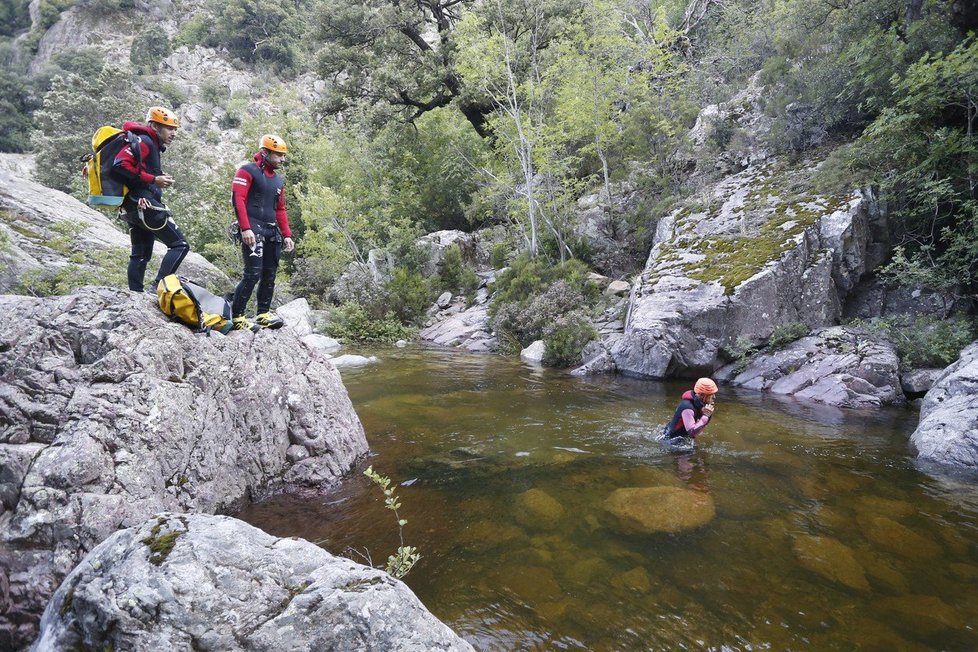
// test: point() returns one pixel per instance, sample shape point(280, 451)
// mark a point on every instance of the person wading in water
point(693, 413)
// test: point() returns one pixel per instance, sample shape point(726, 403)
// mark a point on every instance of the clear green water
point(826, 535)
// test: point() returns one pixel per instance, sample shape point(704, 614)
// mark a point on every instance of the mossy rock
point(648, 510)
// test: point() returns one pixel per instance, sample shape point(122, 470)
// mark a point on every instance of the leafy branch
point(400, 563)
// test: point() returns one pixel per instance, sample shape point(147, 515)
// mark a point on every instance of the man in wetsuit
point(258, 196)
point(143, 208)
point(693, 413)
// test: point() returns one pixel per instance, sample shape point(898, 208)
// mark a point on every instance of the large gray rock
point(757, 261)
point(948, 429)
point(466, 328)
point(200, 582)
point(109, 413)
point(43, 231)
point(840, 365)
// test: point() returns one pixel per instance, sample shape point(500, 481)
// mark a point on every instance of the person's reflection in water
point(692, 469)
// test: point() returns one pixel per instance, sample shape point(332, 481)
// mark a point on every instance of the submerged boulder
point(536, 509)
point(648, 510)
point(182, 582)
point(110, 413)
point(948, 429)
point(750, 256)
point(831, 559)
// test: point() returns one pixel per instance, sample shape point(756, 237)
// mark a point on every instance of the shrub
point(927, 342)
point(565, 339)
point(500, 255)
point(531, 295)
point(408, 295)
point(454, 275)
point(351, 323)
point(149, 48)
point(784, 335)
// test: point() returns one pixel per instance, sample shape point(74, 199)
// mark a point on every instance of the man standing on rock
point(693, 413)
point(258, 196)
point(143, 209)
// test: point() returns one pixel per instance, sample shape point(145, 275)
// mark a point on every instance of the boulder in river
point(109, 413)
point(742, 259)
point(201, 582)
point(948, 429)
point(648, 510)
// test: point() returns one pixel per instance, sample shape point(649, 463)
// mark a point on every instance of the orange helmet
point(162, 116)
point(705, 386)
point(273, 143)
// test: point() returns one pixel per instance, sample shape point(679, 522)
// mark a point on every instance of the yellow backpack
point(194, 306)
point(104, 190)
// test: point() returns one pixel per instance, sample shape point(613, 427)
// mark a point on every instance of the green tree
point(14, 17)
point(71, 111)
point(922, 152)
point(398, 55)
point(255, 31)
point(16, 107)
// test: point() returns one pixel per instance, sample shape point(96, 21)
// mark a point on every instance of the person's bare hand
point(248, 237)
point(708, 410)
point(163, 181)
point(289, 244)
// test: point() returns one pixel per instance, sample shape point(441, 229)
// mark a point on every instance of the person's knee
point(181, 245)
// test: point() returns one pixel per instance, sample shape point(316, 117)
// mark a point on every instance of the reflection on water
point(825, 535)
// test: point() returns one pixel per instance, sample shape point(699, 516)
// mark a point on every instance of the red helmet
point(273, 143)
point(162, 116)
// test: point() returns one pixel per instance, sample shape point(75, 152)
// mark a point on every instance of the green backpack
point(194, 306)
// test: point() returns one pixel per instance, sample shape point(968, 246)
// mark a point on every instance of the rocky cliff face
point(110, 413)
point(214, 583)
point(752, 254)
point(48, 237)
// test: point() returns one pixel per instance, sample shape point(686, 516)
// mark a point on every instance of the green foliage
point(88, 267)
point(255, 31)
point(408, 295)
point(785, 334)
point(16, 104)
point(14, 17)
point(565, 338)
point(351, 323)
point(72, 110)
point(741, 352)
point(149, 48)
point(454, 275)
point(922, 153)
point(927, 342)
point(100, 8)
point(499, 257)
point(400, 563)
point(531, 295)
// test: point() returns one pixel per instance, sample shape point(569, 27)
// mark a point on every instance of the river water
point(825, 535)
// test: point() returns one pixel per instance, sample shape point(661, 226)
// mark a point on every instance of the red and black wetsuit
point(140, 176)
point(689, 420)
point(258, 196)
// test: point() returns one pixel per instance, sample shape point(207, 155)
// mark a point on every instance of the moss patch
point(771, 226)
point(359, 586)
point(161, 544)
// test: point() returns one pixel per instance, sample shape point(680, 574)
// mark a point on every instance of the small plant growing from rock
point(400, 563)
